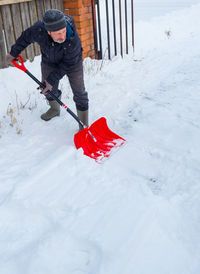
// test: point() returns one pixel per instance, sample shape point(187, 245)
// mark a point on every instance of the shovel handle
point(22, 67)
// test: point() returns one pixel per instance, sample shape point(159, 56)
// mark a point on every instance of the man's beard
point(59, 41)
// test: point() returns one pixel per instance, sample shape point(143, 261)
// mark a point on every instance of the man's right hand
point(8, 59)
point(45, 90)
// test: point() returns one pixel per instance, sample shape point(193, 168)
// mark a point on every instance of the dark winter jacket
point(60, 56)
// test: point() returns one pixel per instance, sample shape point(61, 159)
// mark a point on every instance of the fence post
point(2, 46)
point(81, 11)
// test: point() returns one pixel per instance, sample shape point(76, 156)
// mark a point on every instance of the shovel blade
point(98, 141)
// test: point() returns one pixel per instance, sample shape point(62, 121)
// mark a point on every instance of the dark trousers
point(75, 76)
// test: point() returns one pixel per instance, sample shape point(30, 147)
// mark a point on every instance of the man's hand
point(8, 59)
point(46, 89)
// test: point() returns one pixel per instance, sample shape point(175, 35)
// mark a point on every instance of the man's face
point(58, 36)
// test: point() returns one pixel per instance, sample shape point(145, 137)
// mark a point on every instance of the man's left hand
point(8, 60)
point(45, 90)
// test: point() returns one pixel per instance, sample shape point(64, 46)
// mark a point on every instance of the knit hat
point(54, 20)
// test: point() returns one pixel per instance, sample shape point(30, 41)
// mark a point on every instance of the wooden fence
point(14, 18)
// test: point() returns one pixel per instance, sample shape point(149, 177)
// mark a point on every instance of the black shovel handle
point(42, 85)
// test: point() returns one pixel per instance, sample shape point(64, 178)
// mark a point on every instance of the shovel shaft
point(56, 98)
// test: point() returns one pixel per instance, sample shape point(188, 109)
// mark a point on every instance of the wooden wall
point(14, 18)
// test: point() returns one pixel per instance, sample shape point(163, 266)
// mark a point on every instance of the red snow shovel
point(97, 140)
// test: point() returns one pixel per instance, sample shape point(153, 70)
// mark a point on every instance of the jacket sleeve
point(26, 38)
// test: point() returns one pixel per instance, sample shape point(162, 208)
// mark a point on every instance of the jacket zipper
point(53, 53)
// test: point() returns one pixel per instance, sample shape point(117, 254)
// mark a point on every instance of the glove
point(45, 90)
point(8, 59)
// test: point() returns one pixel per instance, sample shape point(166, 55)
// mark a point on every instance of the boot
point(52, 112)
point(83, 116)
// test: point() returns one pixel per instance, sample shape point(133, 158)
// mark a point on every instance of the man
point(61, 55)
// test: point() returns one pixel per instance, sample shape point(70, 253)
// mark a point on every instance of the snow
point(147, 9)
point(138, 212)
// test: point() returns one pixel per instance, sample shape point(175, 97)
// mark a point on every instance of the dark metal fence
point(113, 27)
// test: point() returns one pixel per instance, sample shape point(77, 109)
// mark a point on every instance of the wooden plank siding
point(40, 9)
point(17, 24)
point(33, 18)
point(26, 23)
point(2, 45)
point(6, 2)
point(47, 4)
point(14, 18)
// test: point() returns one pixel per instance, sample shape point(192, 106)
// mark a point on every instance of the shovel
point(97, 140)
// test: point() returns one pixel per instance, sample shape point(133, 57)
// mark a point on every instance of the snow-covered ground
point(138, 212)
point(147, 9)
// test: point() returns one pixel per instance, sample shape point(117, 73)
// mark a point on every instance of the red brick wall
point(81, 11)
